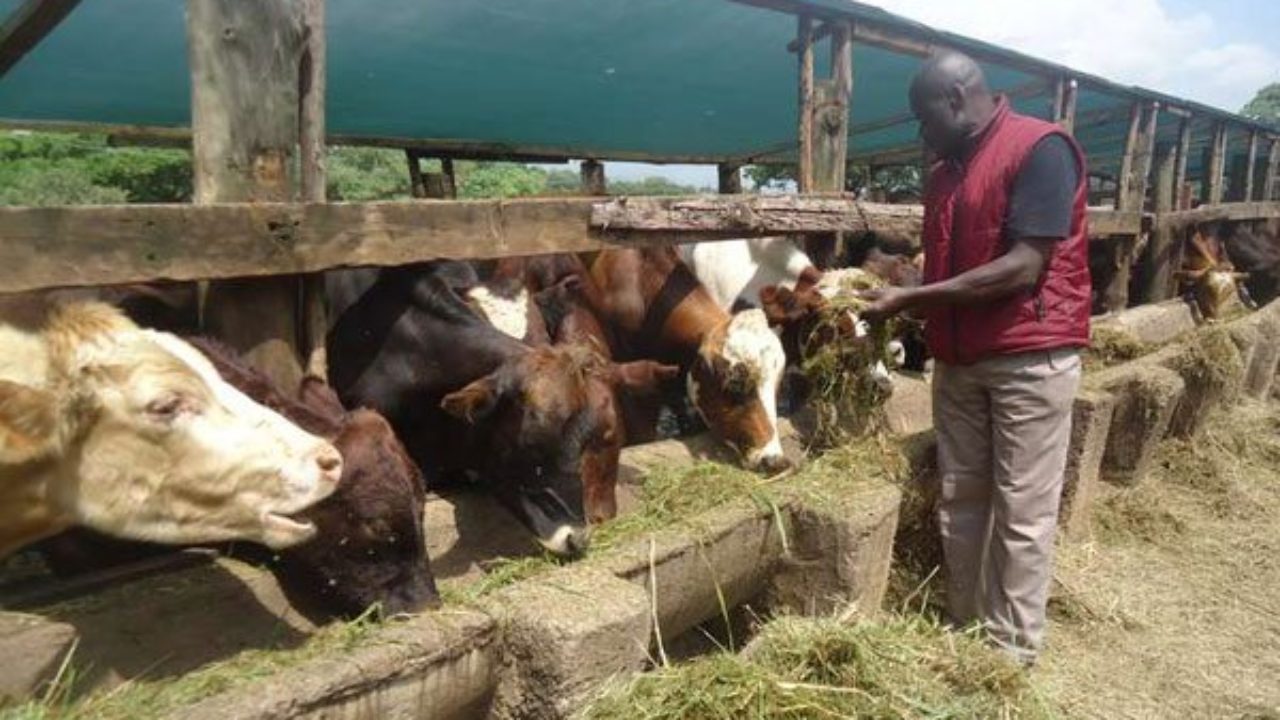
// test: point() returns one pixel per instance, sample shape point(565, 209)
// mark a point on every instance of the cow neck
point(27, 513)
point(676, 318)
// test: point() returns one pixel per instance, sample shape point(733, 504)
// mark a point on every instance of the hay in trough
point(1108, 347)
point(1212, 360)
point(837, 360)
point(823, 668)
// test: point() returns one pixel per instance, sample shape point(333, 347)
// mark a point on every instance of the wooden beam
point(593, 180)
point(1216, 166)
point(417, 185)
point(1064, 110)
point(729, 178)
point(1272, 182)
point(1123, 193)
point(27, 25)
point(1263, 210)
point(1184, 152)
point(804, 105)
point(1161, 257)
point(105, 245)
point(1249, 166)
point(819, 35)
point(830, 120)
point(246, 104)
point(314, 177)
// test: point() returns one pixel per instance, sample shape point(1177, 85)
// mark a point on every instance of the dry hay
point(1211, 360)
point(1168, 611)
point(844, 398)
point(798, 668)
point(1109, 346)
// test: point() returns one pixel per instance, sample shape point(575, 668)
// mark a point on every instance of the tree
point(894, 181)
point(1264, 106)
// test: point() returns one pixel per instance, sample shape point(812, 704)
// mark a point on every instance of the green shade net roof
point(657, 79)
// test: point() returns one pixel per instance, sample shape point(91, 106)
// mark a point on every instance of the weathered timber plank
point(101, 245)
point(1224, 211)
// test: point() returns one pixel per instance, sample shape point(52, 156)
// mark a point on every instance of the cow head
point(733, 383)
point(1213, 280)
point(132, 432)
point(370, 547)
point(570, 320)
point(536, 415)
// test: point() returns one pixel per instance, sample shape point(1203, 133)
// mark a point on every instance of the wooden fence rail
point(104, 245)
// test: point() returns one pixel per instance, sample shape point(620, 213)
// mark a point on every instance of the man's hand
point(885, 302)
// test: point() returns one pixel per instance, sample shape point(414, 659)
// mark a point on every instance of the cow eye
point(165, 408)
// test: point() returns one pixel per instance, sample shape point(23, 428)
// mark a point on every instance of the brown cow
point(131, 432)
point(1209, 276)
point(733, 363)
point(570, 320)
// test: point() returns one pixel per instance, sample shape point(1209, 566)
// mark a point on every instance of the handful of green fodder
point(839, 356)
point(809, 668)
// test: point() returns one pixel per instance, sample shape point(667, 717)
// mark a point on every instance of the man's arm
point(1015, 271)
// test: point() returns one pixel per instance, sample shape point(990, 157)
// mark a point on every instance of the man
point(1006, 303)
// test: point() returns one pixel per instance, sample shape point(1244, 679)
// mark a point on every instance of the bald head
point(950, 98)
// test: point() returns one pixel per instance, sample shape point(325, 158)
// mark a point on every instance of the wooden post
point(824, 126)
point(246, 102)
point(830, 120)
point(1124, 193)
point(1183, 201)
point(804, 147)
point(1064, 106)
point(1249, 166)
point(1159, 257)
point(730, 178)
point(593, 180)
point(417, 186)
point(311, 134)
point(1132, 189)
point(1272, 182)
point(1216, 166)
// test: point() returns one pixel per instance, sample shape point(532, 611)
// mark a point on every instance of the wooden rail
point(104, 245)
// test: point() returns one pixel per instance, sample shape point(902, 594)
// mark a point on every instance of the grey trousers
point(1003, 428)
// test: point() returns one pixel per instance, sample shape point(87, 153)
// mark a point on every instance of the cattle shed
point(258, 89)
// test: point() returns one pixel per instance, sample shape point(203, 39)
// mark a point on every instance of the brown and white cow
point(132, 432)
point(1209, 276)
point(659, 310)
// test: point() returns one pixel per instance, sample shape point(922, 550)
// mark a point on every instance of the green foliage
point(650, 186)
point(895, 180)
point(62, 169)
point(1264, 106)
point(362, 174)
point(498, 179)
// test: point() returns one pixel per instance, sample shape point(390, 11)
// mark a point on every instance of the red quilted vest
point(965, 208)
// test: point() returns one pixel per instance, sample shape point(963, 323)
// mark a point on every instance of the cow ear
point(774, 300)
point(316, 394)
point(475, 401)
point(570, 283)
point(641, 376)
point(28, 423)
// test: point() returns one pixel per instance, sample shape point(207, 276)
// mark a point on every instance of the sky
point(1218, 52)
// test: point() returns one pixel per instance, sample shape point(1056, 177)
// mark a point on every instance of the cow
point(657, 309)
point(1253, 248)
point(131, 432)
point(469, 401)
point(1208, 276)
point(735, 271)
point(570, 320)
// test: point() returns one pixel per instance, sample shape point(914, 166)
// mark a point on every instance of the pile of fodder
point(904, 666)
point(1108, 347)
point(837, 357)
point(1212, 360)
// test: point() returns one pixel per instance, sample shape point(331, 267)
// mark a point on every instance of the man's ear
point(475, 401)
point(28, 423)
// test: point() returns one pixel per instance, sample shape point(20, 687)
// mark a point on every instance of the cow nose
point(330, 463)
point(578, 541)
point(774, 464)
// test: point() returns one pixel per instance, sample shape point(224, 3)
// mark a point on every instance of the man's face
point(942, 125)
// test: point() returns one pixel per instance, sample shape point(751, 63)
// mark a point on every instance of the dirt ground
point(1169, 610)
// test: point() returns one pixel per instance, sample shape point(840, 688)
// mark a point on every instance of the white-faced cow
point(131, 432)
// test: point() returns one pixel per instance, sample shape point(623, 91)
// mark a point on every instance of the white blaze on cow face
point(734, 386)
point(147, 442)
point(508, 314)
